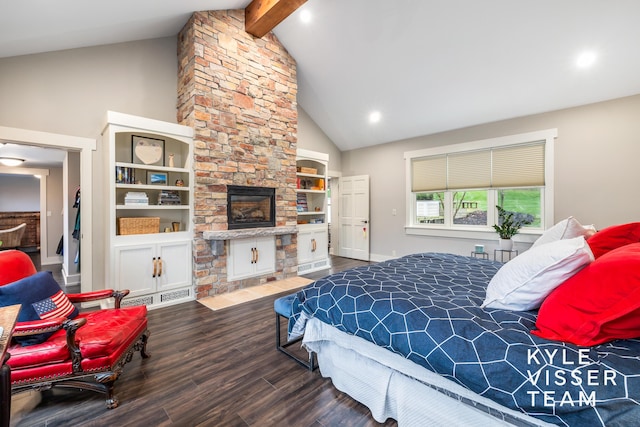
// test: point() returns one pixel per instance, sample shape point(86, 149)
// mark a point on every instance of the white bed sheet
point(394, 387)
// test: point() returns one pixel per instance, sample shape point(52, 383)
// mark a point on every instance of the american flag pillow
point(57, 305)
point(40, 297)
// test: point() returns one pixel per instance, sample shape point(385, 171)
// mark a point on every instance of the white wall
point(596, 172)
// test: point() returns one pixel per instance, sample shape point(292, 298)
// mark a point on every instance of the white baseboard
point(380, 257)
point(51, 260)
point(70, 279)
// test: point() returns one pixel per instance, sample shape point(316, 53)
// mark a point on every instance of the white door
point(354, 217)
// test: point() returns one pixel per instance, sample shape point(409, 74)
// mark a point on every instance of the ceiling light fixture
point(11, 161)
point(586, 59)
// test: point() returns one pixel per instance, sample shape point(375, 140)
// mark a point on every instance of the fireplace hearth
point(250, 207)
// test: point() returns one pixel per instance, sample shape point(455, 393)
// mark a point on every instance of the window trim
point(448, 230)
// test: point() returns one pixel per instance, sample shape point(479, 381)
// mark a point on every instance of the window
point(456, 188)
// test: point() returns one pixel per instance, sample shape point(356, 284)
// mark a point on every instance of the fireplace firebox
point(250, 207)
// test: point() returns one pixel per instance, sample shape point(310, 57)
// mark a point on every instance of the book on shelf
point(125, 175)
point(136, 198)
point(169, 197)
point(301, 202)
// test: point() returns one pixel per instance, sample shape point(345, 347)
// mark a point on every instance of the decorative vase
point(506, 244)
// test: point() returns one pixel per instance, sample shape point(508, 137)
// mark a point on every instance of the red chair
point(87, 352)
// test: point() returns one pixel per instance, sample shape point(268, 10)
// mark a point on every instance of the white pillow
point(565, 229)
point(525, 281)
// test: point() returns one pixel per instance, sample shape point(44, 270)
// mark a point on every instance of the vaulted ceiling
point(425, 65)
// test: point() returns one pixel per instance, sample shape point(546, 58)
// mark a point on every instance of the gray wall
point(55, 222)
point(69, 91)
point(311, 137)
point(596, 171)
point(19, 193)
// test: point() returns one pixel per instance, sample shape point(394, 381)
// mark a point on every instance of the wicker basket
point(138, 225)
point(311, 171)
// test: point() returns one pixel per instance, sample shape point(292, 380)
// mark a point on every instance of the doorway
point(85, 147)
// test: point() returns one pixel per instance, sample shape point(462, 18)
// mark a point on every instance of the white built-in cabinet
point(313, 247)
point(313, 231)
point(148, 238)
point(251, 257)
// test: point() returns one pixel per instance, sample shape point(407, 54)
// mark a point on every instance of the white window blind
point(512, 166)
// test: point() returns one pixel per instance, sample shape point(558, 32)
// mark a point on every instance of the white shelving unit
point(148, 245)
point(313, 231)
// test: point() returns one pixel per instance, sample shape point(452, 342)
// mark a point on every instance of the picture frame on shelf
point(156, 178)
point(147, 151)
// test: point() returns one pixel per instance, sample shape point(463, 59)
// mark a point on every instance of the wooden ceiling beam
point(262, 16)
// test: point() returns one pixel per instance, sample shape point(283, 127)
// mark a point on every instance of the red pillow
point(600, 303)
point(614, 237)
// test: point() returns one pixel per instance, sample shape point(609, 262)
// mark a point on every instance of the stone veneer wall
point(239, 94)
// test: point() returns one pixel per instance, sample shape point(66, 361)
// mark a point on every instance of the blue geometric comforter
point(426, 307)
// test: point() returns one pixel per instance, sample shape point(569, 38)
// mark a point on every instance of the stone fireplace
point(239, 94)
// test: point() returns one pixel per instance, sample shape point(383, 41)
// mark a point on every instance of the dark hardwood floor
point(210, 368)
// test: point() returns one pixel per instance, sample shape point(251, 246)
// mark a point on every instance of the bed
point(411, 340)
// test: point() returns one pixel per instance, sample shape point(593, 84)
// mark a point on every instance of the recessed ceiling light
point(305, 16)
point(586, 59)
point(375, 117)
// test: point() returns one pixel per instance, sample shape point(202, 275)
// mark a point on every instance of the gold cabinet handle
point(159, 261)
point(253, 255)
point(257, 254)
point(155, 267)
point(313, 245)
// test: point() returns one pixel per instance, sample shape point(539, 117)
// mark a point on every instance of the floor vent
point(137, 301)
point(170, 296)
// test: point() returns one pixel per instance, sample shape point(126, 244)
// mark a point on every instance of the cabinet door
point(135, 269)
point(265, 259)
point(240, 259)
point(320, 244)
point(312, 245)
point(174, 264)
point(305, 246)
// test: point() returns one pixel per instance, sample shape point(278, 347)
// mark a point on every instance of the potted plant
point(507, 227)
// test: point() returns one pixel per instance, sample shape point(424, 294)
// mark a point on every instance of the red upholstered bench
point(86, 352)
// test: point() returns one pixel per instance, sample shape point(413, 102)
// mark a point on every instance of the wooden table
point(8, 316)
